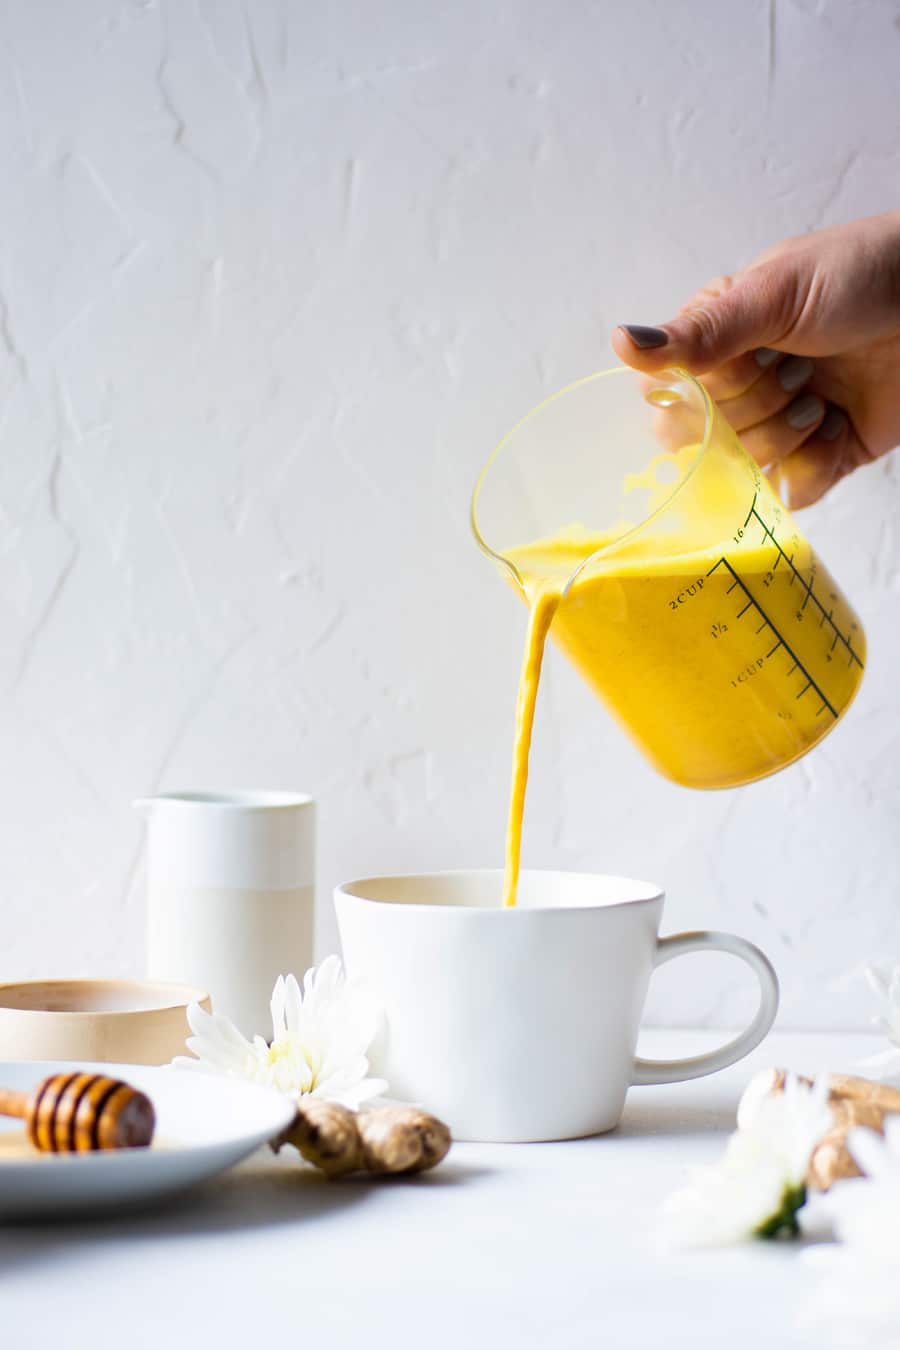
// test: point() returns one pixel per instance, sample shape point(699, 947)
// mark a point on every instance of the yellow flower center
point(290, 1057)
point(278, 1050)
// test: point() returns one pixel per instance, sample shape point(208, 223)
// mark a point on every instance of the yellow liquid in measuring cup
point(723, 663)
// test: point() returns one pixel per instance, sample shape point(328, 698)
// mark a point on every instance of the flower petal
point(276, 1007)
point(883, 1063)
point(756, 1091)
point(293, 1006)
point(869, 1150)
point(197, 1065)
point(877, 980)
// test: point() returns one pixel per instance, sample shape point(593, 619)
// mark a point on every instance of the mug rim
point(238, 799)
point(349, 890)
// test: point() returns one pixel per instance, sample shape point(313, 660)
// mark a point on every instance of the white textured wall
point(273, 279)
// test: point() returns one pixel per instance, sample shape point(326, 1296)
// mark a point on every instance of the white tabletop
point(520, 1245)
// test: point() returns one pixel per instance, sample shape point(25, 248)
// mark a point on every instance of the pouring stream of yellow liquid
point(542, 607)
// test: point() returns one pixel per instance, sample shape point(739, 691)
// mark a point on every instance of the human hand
point(801, 351)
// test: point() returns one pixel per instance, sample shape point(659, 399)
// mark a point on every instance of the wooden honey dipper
point(82, 1112)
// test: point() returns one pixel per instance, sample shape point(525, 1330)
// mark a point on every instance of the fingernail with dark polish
point(793, 372)
point(764, 357)
point(803, 412)
point(833, 424)
point(645, 338)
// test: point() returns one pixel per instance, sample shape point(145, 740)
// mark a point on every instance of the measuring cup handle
point(677, 1070)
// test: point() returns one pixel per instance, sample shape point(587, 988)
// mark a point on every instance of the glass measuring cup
point(691, 602)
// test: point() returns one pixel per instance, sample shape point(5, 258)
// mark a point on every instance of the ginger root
point(401, 1139)
point(853, 1101)
point(385, 1139)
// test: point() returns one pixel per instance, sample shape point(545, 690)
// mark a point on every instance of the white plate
point(204, 1124)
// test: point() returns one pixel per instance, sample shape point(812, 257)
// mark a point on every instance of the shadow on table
point(262, 1192)
point(674, 1119)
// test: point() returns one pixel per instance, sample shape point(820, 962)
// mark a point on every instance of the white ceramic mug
point(230, 895)
point(521, 1024)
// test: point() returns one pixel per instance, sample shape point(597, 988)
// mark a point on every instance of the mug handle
point(677, 1070)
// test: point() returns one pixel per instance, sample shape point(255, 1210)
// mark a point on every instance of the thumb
point(728, 317)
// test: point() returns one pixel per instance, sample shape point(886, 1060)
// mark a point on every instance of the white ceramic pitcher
point(230, 895)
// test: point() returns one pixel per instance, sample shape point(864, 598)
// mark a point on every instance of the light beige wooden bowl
point(119, 1021)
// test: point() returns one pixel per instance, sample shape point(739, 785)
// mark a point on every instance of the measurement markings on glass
point(825, 616)
point(780, 642)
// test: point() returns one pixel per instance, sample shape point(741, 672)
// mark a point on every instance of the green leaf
point(783, 1223)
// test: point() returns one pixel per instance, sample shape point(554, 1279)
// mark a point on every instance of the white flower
point(319, 1040)
point(858, 1300)
point(756, 1189)
point(786, 1124)
point(885, 984)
